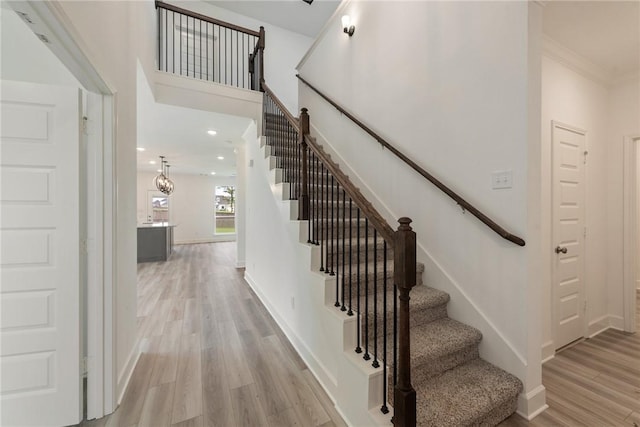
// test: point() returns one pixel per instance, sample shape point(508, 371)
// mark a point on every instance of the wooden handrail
point(365, 206)
point(205, 18)
point(458, 199)
point(290, 118)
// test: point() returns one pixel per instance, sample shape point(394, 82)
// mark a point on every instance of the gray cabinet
point(155, 243)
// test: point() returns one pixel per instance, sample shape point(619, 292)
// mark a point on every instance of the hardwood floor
point(593, 383)
point(212, 354)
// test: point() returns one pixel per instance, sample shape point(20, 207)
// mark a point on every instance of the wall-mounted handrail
point(205, 18)
point(458, 199)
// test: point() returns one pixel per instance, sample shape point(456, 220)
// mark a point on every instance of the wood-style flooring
point(212, 354)
point(595, 382)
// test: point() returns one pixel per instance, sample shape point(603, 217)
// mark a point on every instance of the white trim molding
point(630, 230)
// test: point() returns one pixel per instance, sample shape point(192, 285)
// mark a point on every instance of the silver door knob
point(561, 249)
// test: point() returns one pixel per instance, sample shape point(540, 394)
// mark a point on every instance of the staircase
point(454, 386)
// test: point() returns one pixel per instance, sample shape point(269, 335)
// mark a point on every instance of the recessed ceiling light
point(159, 170)
point(152, 162)
point(213, 173)
point(140, 149)
point(220, 158)
point(212, 132)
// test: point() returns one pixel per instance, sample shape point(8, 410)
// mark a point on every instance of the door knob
point(560, 249)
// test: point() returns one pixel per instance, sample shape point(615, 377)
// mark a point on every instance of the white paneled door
point(39, 258)
point(569, 158)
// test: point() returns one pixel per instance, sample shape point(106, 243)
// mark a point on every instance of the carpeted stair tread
point(442, 345)
point(426, 305)
point(475, 393)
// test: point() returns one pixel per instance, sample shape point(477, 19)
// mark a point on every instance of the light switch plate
point(501, 179)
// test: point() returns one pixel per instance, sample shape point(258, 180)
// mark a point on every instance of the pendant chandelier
point(162, 181)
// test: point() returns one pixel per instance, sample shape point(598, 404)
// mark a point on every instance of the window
point(157, 207)
point(225, 211)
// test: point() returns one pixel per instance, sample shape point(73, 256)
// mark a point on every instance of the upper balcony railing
point(204, 48)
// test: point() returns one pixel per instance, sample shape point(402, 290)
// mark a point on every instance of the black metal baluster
point(219, 61)
point(200, 38)
point(358, 320)
point(311, 184)
point(366, 289)
point(333, 243)
point(237, 59)
point(344, 239)
point(395, 334)
point(206, 29)
point(375, 363)
point(187, 37)
point(321, 223)
point(350, 312)
point(180, 34)
point(160, 39)
point(326, 223)
point(335, 255)
point(385, 381)
point(316, 233)
point(173, 43)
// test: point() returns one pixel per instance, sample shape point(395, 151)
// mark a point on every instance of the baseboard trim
point(532, 404)
point(241, 264)
point(216, 239)
point(548, 351)
point(127, 372)
point(603, 323)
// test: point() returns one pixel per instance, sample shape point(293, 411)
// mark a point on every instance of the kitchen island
point(155, 241)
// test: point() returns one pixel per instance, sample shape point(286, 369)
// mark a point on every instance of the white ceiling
point(606, 33)
point(180, 134)
point(293, 15)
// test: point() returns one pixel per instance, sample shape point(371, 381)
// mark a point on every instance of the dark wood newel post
point(404, 403)
point(261, 65)
point(303, 199)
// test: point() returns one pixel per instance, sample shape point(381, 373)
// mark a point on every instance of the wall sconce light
point(346, 25)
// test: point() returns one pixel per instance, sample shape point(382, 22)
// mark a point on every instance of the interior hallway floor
point(595, 382)
point(212, 354)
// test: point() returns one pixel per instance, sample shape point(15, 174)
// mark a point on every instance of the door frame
point(630, 229)
point(585, 323)
point(66, 44)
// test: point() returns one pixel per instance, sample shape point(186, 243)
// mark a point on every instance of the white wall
point(283, 49)
point(459, 125)
point(191, 206)
point(623, 121)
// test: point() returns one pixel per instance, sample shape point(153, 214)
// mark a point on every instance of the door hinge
point(85, 366)
point(85, 125)
point(586, 153)
point(584, 232)
point(84, 246)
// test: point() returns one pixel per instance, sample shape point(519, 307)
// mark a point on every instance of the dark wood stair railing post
point(303, 199)
point(404, 402)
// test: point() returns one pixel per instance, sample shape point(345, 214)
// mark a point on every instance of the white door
point(568, 250)
point(39, 258)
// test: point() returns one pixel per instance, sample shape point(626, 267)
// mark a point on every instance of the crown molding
point(575, 62)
